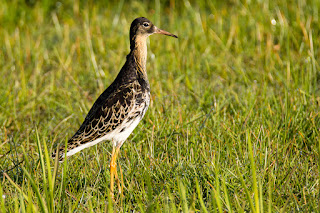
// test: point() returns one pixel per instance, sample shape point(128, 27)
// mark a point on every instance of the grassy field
point(233, 124)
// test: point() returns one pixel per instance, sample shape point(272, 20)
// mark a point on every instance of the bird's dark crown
point(141, 26)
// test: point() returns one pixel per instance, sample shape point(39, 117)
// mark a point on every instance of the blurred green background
point(233, 124)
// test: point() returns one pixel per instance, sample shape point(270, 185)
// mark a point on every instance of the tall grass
point(233, 124)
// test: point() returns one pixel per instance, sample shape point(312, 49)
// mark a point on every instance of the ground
point(233, 124)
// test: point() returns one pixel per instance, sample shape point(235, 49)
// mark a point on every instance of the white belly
point(117, 137)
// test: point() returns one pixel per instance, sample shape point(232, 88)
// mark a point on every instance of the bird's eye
point(146, 24)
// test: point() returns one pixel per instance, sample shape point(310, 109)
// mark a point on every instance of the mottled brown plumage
point(124, 100)
point(123, 104)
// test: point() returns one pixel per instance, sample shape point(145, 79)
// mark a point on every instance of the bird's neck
point(139, 50)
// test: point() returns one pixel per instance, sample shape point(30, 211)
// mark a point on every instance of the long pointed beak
point(159, 31)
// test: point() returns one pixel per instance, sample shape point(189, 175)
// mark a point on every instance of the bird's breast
point(141, 103)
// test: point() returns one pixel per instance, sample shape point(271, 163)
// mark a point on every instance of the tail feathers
point(59, 152)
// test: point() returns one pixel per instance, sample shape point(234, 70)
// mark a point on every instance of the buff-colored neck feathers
point(140, 53)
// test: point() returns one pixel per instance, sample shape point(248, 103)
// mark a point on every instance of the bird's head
point(144, 27)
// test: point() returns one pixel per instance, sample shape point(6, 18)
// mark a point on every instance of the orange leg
point(113, 170)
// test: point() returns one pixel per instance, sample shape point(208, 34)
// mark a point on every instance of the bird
point(119, 109)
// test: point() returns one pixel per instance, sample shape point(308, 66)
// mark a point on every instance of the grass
point(233, 124)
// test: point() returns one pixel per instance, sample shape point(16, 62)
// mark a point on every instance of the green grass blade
point(62, 193)
point(50, 179)
point(203, 206)
point(22, 206)
point(3, 208)
point(252, 208)
point(16, 186)
point(226, 196)
point(269, 194)
point(213, 201)
point(217, 185)
point(141, 207)
point(110, 203)
point(253, 172)
point(260, 196)
point(21, 192)
point(30, 195)
point(36, 190)
point(172, 201)
point(150, 205)
point(41, 158)
point(183, 197)
point(319, 174)
point(16, 204)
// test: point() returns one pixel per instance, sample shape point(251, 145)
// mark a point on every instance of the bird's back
point(115, 113)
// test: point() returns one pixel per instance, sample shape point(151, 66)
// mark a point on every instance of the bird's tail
point(59, 152)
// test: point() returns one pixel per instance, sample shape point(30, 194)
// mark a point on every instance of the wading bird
point(120, 108)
